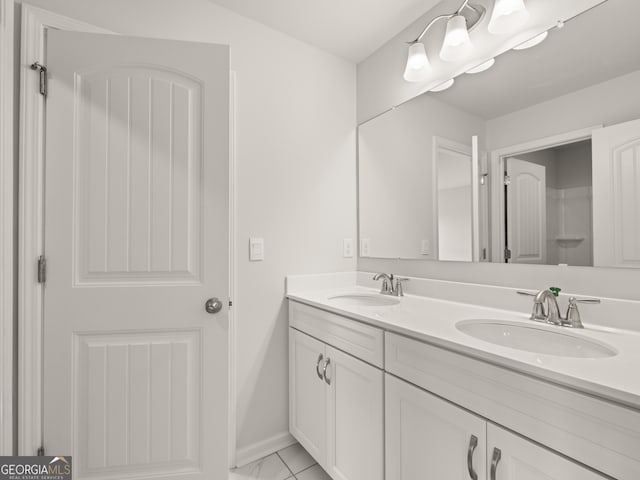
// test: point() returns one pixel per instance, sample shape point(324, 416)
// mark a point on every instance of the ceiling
point(598, 45)
point(351, 29)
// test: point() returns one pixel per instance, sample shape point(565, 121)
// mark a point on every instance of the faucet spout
point(387, 283)
point(553, 311)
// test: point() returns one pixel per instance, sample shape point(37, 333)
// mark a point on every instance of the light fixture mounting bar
point(471, 21)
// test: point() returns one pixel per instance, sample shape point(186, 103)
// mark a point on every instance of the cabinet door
point(511, 457)
point(307, 394)
point(355, 418)
point(429, 438)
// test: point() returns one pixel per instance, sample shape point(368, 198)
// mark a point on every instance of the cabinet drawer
point(355, 338)
point(598, 433)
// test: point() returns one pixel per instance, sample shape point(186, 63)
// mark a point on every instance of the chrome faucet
point(388, 287)
point(552, 313)
point(387, 283)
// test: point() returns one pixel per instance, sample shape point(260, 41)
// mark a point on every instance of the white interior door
point(526, 212)
point(616, 195)
point(136, 234)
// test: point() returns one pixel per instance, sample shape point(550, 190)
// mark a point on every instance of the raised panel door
point(429, 438)
point(511, 457)
point(355, 419)
point(307, 395)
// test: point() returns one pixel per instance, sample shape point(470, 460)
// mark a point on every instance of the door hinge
point(230, 303)
point(507, 180)
point(40, 452)
point(507, 254)
point(42, 70)
point(484, 254)
point(42, 269)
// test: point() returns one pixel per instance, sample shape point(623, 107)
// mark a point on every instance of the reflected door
point(526, 229)
point(137, 240)
point(616, 195)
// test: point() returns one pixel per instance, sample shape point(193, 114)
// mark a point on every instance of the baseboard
point(261, 449)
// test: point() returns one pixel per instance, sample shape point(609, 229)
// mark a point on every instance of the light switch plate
point(256, 249)
point(365, 247)
point(347, 247)
point(425, 247)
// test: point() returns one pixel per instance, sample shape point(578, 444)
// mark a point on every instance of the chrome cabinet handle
point(473, 443)
point(497, 454)
point(324, 371)
point(318, 372)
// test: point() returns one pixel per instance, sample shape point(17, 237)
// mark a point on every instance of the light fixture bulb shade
point(456, 44)
point(418, 66)
point(507, 16)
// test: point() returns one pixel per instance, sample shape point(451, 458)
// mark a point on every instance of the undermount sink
point(363, 300)
point(532, 338)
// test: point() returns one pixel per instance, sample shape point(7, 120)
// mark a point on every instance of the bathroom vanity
point(393, 387)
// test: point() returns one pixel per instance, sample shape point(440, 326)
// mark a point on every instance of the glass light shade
point(507, 16)
point(532, 42)
point(443, 86)
point(456, 44)
point(483, 66)
point(418, 66)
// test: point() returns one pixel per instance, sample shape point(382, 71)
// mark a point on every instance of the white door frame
point(441, 143)
point(496, 173)
point(35, 22)
point(7, 206)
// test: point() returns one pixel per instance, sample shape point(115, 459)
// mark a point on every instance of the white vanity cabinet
point(511, 457)
point(335, 396)
point(427, 437)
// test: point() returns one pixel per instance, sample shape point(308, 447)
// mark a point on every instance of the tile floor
point(291, 463)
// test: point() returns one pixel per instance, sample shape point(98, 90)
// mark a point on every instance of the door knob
point(213, 305)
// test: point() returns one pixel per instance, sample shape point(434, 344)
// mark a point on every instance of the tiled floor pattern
point(291, 463)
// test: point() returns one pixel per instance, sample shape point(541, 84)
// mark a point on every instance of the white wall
point(296, 179)
point(607, 103)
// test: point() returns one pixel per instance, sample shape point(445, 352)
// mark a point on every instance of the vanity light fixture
point(507, 16)
point(456, 43)
point(532, 42)
point(418, 66)
point(443, 86)
point(483, 66)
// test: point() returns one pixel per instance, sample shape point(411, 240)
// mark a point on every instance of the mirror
point(558, 164)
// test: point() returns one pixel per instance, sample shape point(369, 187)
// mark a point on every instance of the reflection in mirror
point(398, 175)
point(560, 120)
point(548, 206)
point(454, 202)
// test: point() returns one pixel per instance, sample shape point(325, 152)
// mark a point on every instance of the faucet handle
point(538, 313)
point(584, 300)
point(398, 288)
point(573, 315)
point(528, 294)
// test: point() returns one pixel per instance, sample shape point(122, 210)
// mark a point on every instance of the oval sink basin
point(534, 339)
point(363, 300)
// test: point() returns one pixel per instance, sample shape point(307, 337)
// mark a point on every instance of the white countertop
point(433, 321)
